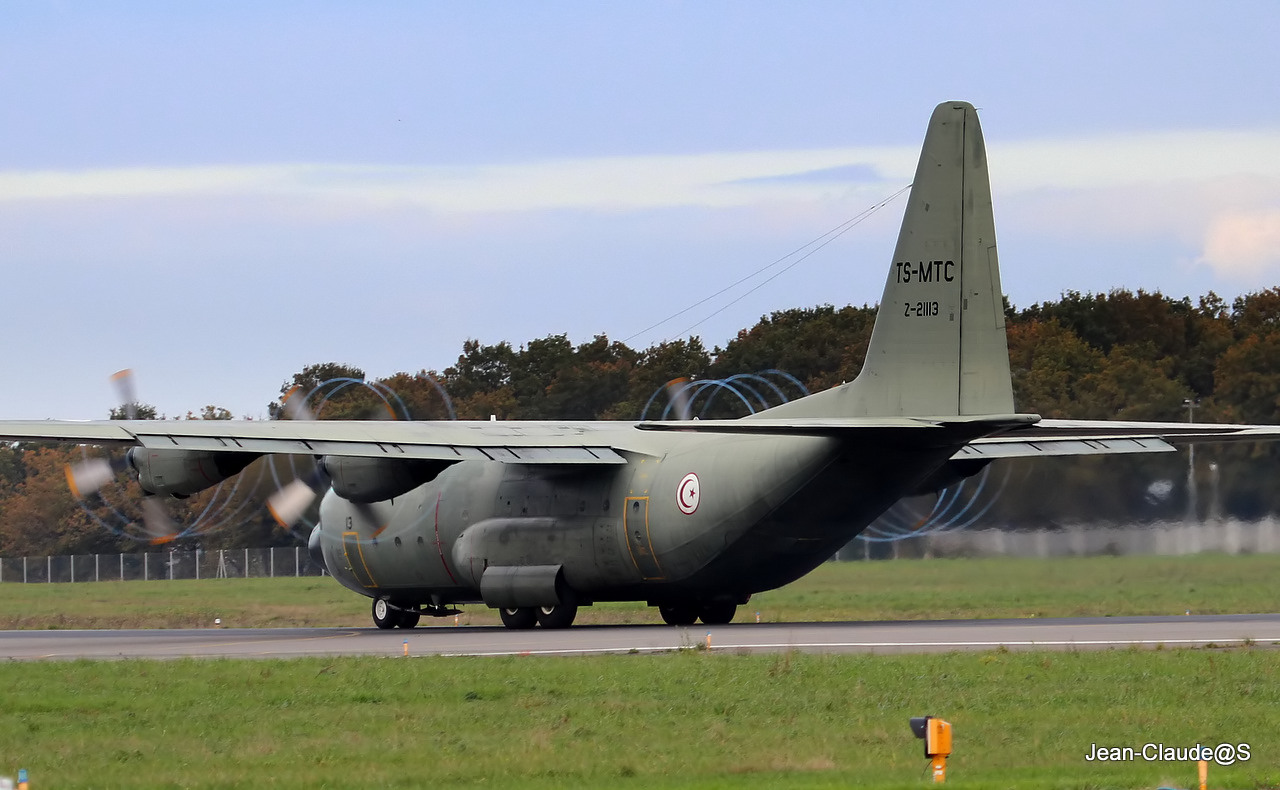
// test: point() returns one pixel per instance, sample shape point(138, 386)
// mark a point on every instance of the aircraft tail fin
point(938, 347)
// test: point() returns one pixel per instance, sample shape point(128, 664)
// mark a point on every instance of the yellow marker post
point(936, 734)
point(1204, 775)
point(939, 769)
point(406, 648)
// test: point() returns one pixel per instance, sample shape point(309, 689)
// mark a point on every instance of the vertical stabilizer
point(938, 347)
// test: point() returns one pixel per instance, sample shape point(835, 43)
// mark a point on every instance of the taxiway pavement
point(1262, 630)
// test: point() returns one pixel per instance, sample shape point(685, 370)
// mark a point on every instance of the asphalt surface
point(1262, 630)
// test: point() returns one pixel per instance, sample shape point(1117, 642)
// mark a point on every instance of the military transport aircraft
point(539, 518)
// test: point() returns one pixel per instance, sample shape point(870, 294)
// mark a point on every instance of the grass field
point(691, 719)
point(890, 590)
point(685, 720)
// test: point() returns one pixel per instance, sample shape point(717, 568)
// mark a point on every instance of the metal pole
point(170, 564)
point(48, 569)
point(246, 563)
point(1215, 504)
point(297, 570)
point(24, 570)
point(197, 563)
point(96, 562)
point(146, 567)
point(1190, 406)
point(73, 569)
point(271, 559)
point(122, 566)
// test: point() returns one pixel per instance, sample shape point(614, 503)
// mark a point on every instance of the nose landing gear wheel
point(522, 619)
point(559, 616)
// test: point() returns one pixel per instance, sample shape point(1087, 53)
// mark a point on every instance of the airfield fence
point(1219, 536)
point(156, 566)
point(1227, 536)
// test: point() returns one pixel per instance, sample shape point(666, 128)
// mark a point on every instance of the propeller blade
point(289, 503)
point(156, 521)
point(295, 408)
point(88, 477)
point(678, 393)
point(123, 379)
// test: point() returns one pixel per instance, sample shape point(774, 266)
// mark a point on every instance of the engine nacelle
point(364, 480)
point(181, 473)
point(315, 549)
point(949, 474)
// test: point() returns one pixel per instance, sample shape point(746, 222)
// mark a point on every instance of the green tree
point(1248, 380)
point(1048, 362)
point(480, 369)
point(820, 346)
point(423, 395)
point(39, 515)
point(592, 382)
point(332, 391)
point(654, 368)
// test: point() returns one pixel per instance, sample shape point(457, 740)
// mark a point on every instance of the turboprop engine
point(359, 480)
point(364, 480)
point(181, 473)
point(949, 474)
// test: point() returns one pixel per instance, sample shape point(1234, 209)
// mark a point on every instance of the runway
point(1262, 630)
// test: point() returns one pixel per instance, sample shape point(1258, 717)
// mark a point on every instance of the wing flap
point(1171, 432)
point(1036, 448)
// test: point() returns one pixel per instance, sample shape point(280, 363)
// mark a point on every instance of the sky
point(219, 194)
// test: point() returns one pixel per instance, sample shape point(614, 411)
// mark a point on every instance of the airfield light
point(936, 734)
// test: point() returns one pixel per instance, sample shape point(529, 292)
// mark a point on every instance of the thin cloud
point(1244, 244)
point(841, 174)
point(615, 183)
point(713, 180)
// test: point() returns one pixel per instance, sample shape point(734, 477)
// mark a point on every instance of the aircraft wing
point(1103, 437)
point(551, 442)
point(842, 426)
point(1016, 435)
point(510, 442)
point(452, 440)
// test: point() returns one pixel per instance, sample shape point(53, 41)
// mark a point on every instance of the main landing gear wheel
point(384, 616)
point(678, 613)
point(522, 619)
point(408, 618)
point(718, 612)
point(559, 616)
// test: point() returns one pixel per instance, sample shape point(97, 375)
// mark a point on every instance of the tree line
point(1122, 355)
